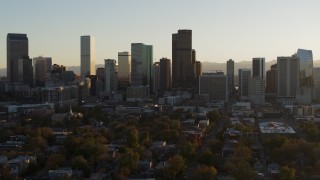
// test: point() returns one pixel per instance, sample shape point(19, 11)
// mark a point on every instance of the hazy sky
point(221, 29)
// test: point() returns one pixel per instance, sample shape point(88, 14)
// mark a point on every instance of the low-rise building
point(275, 128)
point(60, 173)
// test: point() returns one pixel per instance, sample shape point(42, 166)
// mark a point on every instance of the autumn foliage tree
point(204, 172)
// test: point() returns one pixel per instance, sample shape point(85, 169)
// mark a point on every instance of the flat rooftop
point(275, 128)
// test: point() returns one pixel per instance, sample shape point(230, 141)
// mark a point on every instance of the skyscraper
point(156, 76)
point(316, 84)
point(256, 89)
point(258, 69)
point(306, 63)
point(288, 76)
point(165, 74)
point(183, 60)
point(42, 68)
point(244, 76)
point(271, 80)
point(198, 68)
point(124, 69)
point(87, 56)
point(215, 85)
point(110, 75)
point(230, 74)
point(25, 71)
point(100, 73)
point(141, 63)
point(17, 48)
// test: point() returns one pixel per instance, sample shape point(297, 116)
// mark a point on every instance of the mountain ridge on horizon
point(207, 66)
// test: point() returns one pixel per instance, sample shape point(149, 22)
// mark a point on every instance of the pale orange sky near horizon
point(221, 29)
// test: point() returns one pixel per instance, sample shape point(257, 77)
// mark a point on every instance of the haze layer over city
point(221, 29)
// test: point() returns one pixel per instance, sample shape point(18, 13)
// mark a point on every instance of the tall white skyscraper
point(87, 56)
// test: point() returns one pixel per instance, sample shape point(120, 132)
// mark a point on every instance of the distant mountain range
point(206, 67)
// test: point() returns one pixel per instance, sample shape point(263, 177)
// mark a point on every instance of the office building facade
point(156, 76)
point(244, 76)
point(141, 64)
point(165, 74)
point(110, 75)
point(184, 70)
point(124, 69)
point(306, 63)
point(215, 85)
point(271, 80)
point(316, 84)
point(87, 54)
point(17, 48)
point(258, 67)
point(25, 71)
point(230, 74)
point(288, 76)
point(42, 67)
point(256, 90)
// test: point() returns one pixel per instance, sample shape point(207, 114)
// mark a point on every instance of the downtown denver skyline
point(221, 29)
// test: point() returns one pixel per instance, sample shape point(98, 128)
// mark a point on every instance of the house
point(204, 123)
point(231, 132)
point(61, 138)
point(60, 173)
point(144, 165)
point(20, 163)
point(158, 144)
point(53, 149)
point(188, 122)
point(3, 159)
point(274, 168)
point(161, 165)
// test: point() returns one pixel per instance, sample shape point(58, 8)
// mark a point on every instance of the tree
point(287, 173)
point(170, 135)
point(176, 165)
point(36, 143)
point(242, 152)
point(275, 142)
point(243, 170)
point(214, 115)
point(206, 158)
point(145, 138)
point(123, 173)
point(204, 172)
point(80, 163)
point(129, 159)
point(55, 160)
point(133, 139)
point(188, 150)
point(5, 172)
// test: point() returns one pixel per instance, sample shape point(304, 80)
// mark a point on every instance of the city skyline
point(221, 30)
